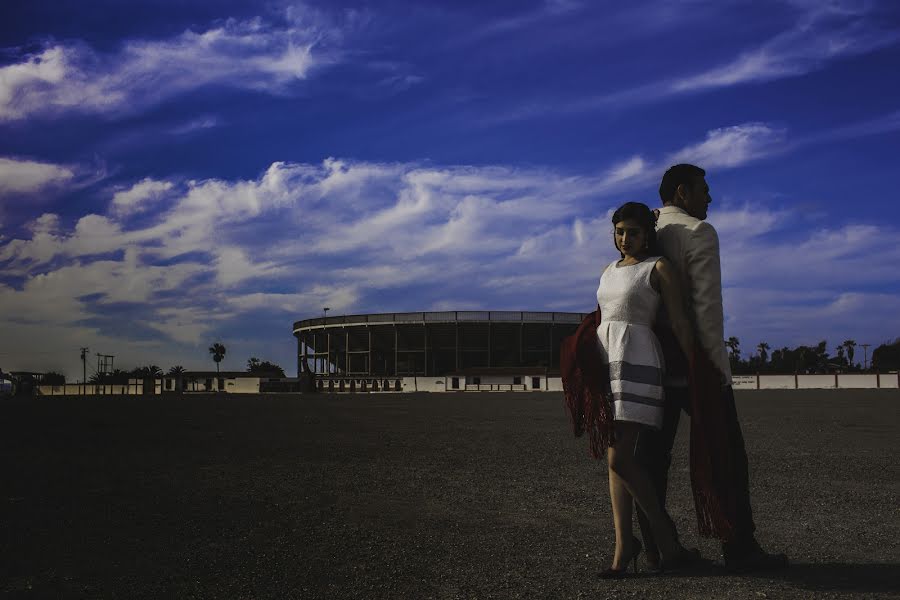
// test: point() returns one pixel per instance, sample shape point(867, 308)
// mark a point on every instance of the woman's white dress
point(631, 351)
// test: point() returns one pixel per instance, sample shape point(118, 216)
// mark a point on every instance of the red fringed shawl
point(584, 383)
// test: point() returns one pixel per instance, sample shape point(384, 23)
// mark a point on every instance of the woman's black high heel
point(611, 573)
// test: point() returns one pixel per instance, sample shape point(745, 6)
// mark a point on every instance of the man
point(692, 246)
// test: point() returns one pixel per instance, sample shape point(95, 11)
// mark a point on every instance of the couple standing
point(631, 369)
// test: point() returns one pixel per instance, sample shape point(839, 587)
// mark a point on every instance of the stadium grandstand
point(474, 345)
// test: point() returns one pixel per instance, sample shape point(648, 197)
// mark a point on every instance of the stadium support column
point(301, 353)
point(521, 342)
point(456, 343)
point(490, 333)
point(550, 347)
point(369, 355)
point(396, 353)
point(346, 351)
point(327, 367)
point(425, 346)
point(306, 351)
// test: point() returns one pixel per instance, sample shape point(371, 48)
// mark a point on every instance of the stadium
point(483, 349)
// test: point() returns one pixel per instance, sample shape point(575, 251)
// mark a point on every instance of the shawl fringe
point(584, 385)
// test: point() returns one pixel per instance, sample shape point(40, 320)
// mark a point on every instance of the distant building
point(437, 351)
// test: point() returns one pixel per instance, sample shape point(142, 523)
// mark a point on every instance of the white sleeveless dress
point(630, 349)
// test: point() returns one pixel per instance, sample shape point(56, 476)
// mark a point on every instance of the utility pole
point(84, 352)
point(865, 355)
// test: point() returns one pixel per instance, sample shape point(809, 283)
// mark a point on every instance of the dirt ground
point(415, 496)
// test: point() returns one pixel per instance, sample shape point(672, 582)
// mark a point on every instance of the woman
point(628, 299)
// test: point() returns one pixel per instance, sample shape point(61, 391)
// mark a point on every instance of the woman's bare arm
point(672, 297)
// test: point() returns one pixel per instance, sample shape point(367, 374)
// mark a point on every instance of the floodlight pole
point(865, 355)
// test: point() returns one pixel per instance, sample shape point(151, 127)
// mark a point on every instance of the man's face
point(695, 198)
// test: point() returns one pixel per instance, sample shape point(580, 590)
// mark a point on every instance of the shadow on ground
point(878, 578)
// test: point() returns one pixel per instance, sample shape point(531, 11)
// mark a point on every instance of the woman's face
point(630, 237)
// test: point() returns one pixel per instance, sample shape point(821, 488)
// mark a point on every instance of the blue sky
point(174, 177)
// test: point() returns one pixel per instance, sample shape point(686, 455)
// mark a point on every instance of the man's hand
point(722, 379)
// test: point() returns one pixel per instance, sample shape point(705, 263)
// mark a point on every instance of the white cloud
point(785, 278)
point(28, 177)
point(824, 32)
point(790, 318)
point(207, 122)
point(338, 299)
point(821, 34)
point(249, 54)
point(218, 256)
point(732, 146)
point(137, 197)
point(233, 266)
point(629, 169)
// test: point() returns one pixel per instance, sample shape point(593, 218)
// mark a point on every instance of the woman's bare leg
point(622, 504)
point(637, 483)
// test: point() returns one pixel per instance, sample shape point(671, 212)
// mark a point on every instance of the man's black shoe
point(741, 558)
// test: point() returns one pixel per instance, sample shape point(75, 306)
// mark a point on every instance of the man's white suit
point(692, 246)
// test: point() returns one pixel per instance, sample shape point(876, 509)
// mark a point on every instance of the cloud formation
point(239, 260)
point(824, 31)
point(252, 54)
point(139, 196)
point(28, 176)
point(821, 34)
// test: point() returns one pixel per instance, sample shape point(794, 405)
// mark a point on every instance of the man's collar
point(670, 209)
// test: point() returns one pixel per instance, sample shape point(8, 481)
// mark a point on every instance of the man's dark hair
point(682, 174)
point(640, 212)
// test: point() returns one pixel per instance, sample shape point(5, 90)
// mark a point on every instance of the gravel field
point(415, 496)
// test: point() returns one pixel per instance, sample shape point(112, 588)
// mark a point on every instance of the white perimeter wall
point(134, 387)
point(250, 385)
point(489, 383)
point(815, 382)
point(242, 385)
point(845, 381)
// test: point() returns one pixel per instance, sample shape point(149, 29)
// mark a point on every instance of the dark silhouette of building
point(432, 343)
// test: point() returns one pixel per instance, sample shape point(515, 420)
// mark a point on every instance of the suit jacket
point(692, 246)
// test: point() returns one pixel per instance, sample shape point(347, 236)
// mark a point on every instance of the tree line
point(812, 359)
point(802, 359)
point(120, 377)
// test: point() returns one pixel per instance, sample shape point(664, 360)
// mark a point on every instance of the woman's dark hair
point(640, 213)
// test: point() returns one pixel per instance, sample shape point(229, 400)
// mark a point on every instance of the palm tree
point(176, 371)
point(53, 378)
point(840, 354)
point(734, 345)
point(118, 376)
point(802, 353)
point(218, 353)
point(148, 371)
point(821, 357)
point(763, 352)
point(849, 345)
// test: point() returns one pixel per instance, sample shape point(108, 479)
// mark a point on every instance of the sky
point(177, 175)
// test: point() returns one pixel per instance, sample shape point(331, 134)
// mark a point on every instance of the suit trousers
point(654, 452)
